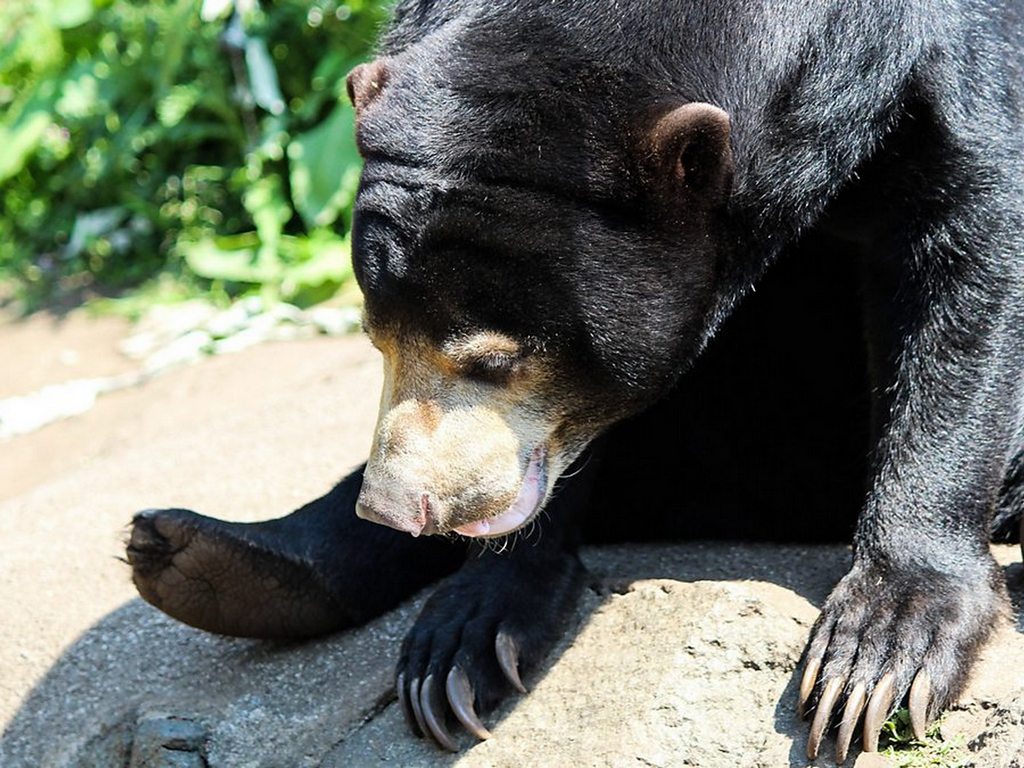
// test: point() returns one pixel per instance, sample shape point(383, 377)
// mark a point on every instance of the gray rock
point(165, 322)
point(111, 747)
point(1002, 740)
point(24, 414)
point(168, 742)
point(335, 321)
point(680, 656)
point(184, 349)
point(227, 322)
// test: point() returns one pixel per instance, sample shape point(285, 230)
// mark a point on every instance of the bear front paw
point(886, 630)
point(213, 575)
point(484, 629)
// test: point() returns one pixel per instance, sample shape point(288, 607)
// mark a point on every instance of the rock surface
point(682, 655)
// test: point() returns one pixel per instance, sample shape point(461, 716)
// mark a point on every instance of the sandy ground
point(68, 490)
point(46, 349)
point(42, 350)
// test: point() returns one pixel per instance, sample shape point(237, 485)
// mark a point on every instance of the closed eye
point(494, 368)
point(487, 356)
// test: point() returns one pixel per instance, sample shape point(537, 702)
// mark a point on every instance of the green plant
point(905, 751)
point(207, 139)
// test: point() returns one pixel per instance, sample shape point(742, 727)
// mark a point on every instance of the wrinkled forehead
point(448, 257)
point(494, 160)
point(453, 227)
point(517, 106)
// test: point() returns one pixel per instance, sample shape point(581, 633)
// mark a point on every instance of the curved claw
point(403, 702)
point(460, 698)
point(508, 659)
point(851, 714)
point(920, 697)
point(807, 684)
point(878, 709)
point(417, 710)
point(429, 701)
point(822, 715)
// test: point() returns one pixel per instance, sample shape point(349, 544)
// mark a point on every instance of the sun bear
point(680, 268)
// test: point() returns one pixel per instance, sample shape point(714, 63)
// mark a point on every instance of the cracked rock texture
point(682, 655)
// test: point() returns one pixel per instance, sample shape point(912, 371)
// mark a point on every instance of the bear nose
point(417, 518)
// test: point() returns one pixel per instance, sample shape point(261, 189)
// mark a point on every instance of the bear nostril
point(425, 508)
point(398, 516)
point(426, 518)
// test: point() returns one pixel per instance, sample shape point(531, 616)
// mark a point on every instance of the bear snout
point(421, 507)
point(413, 513)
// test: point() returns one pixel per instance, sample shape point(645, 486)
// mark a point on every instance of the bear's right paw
point(490, 623)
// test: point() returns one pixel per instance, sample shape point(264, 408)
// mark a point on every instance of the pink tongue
point(476, 528)
point(524, 505)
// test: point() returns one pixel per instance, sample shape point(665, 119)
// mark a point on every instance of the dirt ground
point(46, 349)
point(125, 454)
point(42, 350)
point(682, 655)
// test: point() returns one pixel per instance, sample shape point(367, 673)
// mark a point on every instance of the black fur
point(870, 380)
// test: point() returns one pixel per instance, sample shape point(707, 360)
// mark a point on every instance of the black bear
point(562, 205)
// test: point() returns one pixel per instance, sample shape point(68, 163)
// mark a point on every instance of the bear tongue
point(530, 493)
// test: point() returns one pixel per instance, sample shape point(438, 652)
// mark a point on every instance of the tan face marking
point(454, 446)
point(482, 346)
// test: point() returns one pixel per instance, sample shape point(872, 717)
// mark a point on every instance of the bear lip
point(531, 493)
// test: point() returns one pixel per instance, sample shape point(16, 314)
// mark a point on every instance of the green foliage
point(207, 138)
point(906, 751)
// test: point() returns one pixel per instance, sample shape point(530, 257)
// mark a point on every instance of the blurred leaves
point(209, 140)
point(304, 270)
point(325, 168)
point(178, 102)
point(265, 90)
point(69, 13)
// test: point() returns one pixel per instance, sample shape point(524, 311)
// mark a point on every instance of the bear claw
point(433, 713)
point(851, 716)
point(874, 708)
point(417, 708)
point(829, 696)
point(423, 706)
point(405, 705)
point(920, 695)
point(877, 711)
point(807, 684)
point(474, 639)
point(508, 659)
point(460, 698)
point(149, 550)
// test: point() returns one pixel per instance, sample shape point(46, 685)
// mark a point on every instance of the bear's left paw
point(483, 628)
point(885, 630)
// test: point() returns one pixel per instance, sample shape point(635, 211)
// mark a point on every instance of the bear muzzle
point(383, 500)
point(527, 503)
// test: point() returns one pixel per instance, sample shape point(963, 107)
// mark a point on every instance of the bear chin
point(528, 503)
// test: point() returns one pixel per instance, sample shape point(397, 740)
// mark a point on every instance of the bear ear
point(365, 83)
point(687, 151)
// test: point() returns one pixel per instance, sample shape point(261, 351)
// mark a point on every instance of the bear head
point(537, 238)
